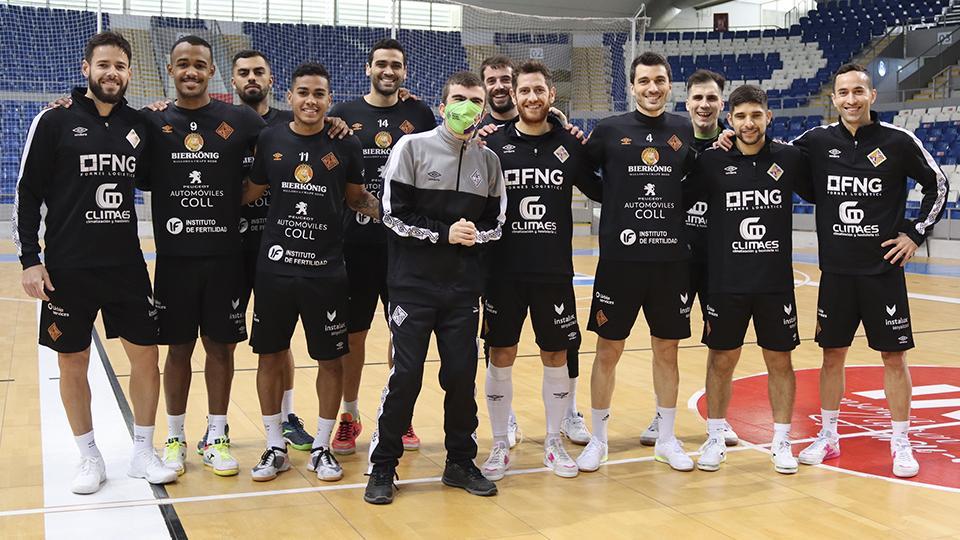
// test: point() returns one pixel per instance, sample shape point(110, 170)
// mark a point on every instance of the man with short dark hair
point(860, 168)
point(497, 74)
point(644, 256)
point(749, 194)
point(82, 164)
point(301, 272)
point(379, 118)
point(443, 200)
point(199, 147)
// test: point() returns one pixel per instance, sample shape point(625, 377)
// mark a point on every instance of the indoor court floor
point(632, 496)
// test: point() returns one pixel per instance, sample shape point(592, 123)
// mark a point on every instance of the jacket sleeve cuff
point(914, 235)
point(28, 261)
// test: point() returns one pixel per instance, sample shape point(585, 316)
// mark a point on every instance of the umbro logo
point(730, 169)
point(891, 310)
point(834, 153)
point(79, 131)
point(434, 175)
point(561, 395)
point(788, 309)
point(331, 315)
point(494, 397)
point(509, 149)
point(558, 308)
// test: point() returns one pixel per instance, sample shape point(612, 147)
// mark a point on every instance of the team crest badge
point(383, 139)
point(626, 141)
point(193, 142)
point(476, 177)
point(330, 161)
point(277, 156)
point(650, 156)
point(775, 171)
point(675, 143)
point(561, 154)
point(168, 129)
point(357, 126)
point(876, 157)
point(303, 173)
point(601, 318)
point(54, 331)
point(133, 138)
point(406, 127)
point(224, 130)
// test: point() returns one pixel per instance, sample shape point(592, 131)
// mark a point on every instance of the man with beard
point(644, 257)
point(532, 265)
point(496, 72)
point(82, 163)
point(748, 191)
point(198, 151)
point(704, 104)
point(253, 81)
point(379, 118)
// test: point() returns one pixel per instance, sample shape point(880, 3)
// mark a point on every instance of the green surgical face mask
point(461, 116)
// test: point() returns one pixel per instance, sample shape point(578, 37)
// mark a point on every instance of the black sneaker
point(467, 475)
point(380, 487)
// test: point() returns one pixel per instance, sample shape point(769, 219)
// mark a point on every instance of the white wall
point(741, 14)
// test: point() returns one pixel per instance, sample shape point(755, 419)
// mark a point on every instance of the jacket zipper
point(460, 163)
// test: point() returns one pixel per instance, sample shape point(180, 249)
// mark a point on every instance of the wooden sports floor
point(630, 497)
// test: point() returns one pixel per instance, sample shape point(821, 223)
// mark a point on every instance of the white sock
point(216, 427)
point(271, 425)
point(352, 407)
point(829, 420)
point(598, 421)
point(324, 431)
point(87, 446)
point(667, 415)
point(715, 427)
point(286, 406)
point(780, 432)
point(175, 427)
point(900, 429)
point(556, 396)
point(572, 404)
point(142, 438)
point(499, 391)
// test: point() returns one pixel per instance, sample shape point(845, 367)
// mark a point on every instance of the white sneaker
point(652, 433)
point(145, 464)
point(904, 464)
point(592, 456)
point(671, 452)
point(514, 435)
point(826, 446)
point(781, 454)
point(91, 474)
point(713, 452)
point(556, 458)
point(273, 462)
point(175, 455)
point(496, 465)
point(217, 456)
point(730, 437)
point(325, 465)
point(575, 429)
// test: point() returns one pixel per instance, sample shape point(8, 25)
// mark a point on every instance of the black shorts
point(698, 285)
point(880, 301)
point(553, 313)
point(367, 274)
point(122, 293)
point(621, 288)
point(774, 320)
point(200, 293)
point(321, 303)
point(250, 257)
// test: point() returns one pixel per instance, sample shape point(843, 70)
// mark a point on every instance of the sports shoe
point(556, 458)
point(410, 440)
point(203, 442)
point(671, 452)
point(325, 465)
point(380, 486)
point(497, 464)
point(91, 474)
point(713, 452)
point(575, 429)
point(652, 433)
point(466, 475)
point(272, 462)
point(826, 446)
point(145, 464)
point(217, 456)
point(730, 437)
point(175, 455)
point(781, 454)
point(345, 440)
point(514, 435)
point(904, 464)
point(295, 435)
point(592, 456)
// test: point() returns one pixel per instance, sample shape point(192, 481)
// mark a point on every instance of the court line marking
point(8, 299)
point(918, 296)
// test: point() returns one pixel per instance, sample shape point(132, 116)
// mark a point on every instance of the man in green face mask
point(443, 196)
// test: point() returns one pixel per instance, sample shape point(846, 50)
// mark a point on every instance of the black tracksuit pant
point(410, 327)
